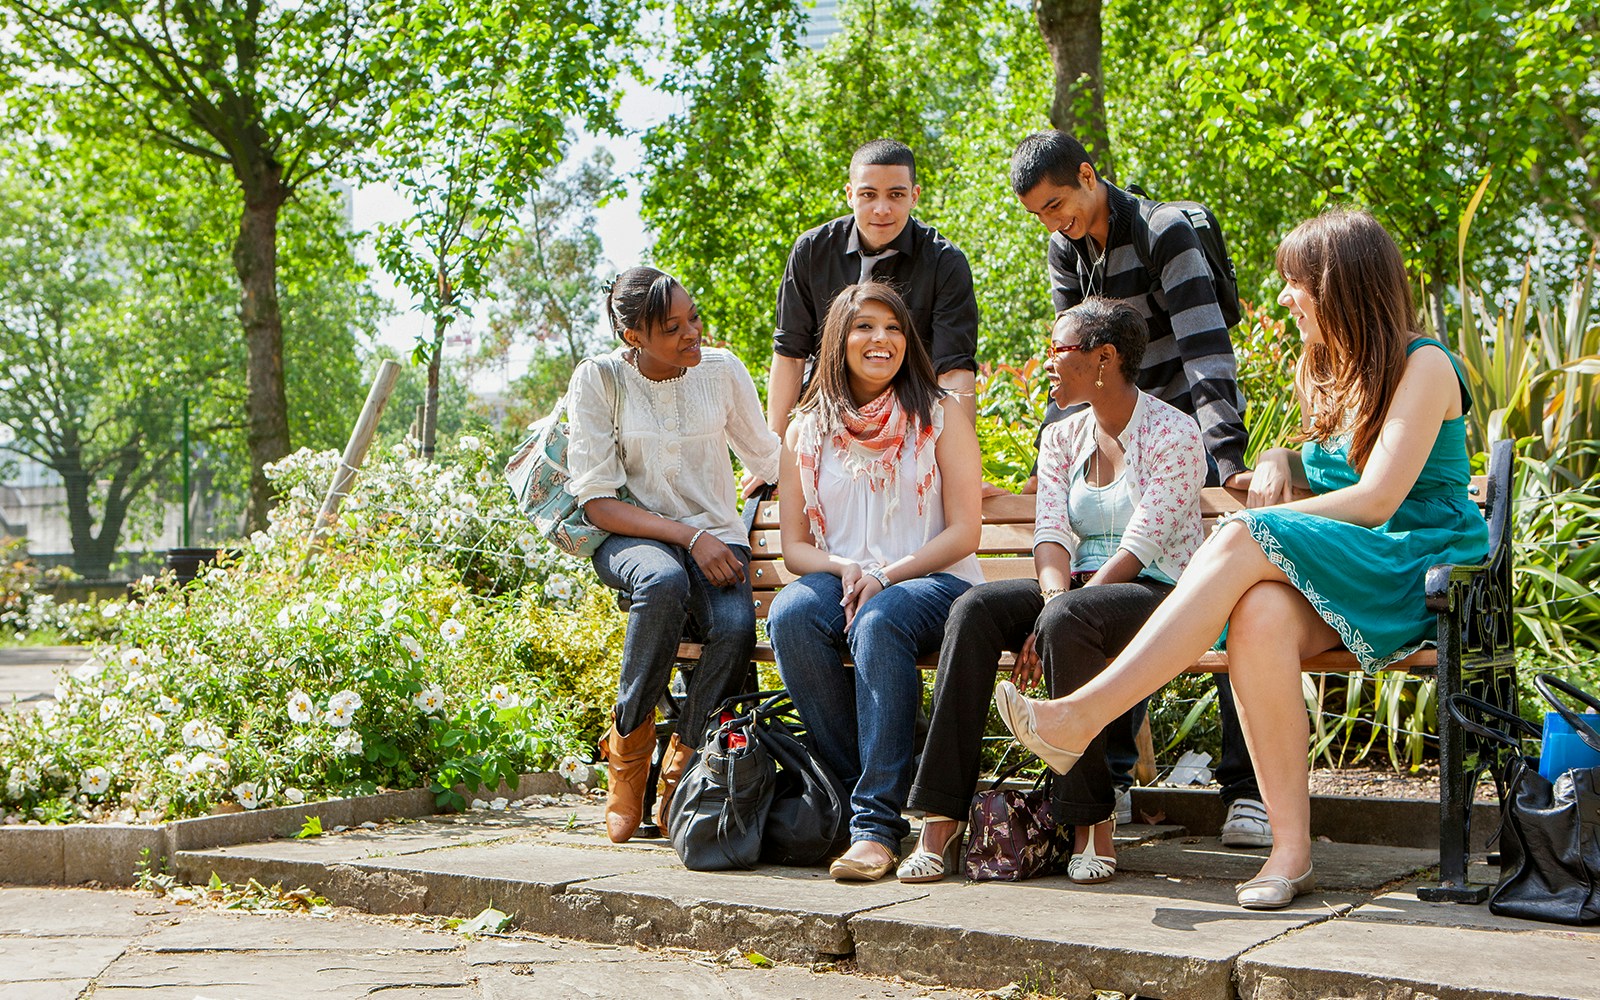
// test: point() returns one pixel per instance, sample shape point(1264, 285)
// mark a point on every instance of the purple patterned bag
point(1013, 835)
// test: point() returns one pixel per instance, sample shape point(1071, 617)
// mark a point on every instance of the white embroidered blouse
point(1164, 468)
point(674, 436)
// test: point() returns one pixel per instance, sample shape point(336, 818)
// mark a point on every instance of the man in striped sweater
point(1189, 363)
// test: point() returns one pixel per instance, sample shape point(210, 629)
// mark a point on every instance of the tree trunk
point(1071, 30)
point(90, 557)
point(255, 258)
point(430, 412)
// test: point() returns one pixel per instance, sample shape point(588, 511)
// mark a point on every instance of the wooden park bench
point(1473, 653)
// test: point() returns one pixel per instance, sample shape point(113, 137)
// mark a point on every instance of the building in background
point(822, 23)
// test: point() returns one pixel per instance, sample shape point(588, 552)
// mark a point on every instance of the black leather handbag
point(1549, 830)
point(809, 821)
point(756, 791)
point(719, 811)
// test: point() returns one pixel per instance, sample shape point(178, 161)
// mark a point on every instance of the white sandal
point(926, 866)
point(1089, 868)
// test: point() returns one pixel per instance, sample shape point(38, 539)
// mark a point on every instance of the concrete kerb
point(111, 853)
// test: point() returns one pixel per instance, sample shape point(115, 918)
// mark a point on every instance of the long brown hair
point(915, 384)
point(1357, 280)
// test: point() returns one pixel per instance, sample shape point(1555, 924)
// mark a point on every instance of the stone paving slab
point(1176, 939)
point(38, 958)
point(58, 989)
point(246, 975)
point(68, 912)
point(209, 931)
point(1339, 866)
point(674, 981)
point(1397, 948)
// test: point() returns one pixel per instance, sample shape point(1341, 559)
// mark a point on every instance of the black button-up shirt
point(928, 271)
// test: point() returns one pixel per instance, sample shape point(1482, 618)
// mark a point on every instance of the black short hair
point(884, 153)
point(1098, 320)
point(1049, 154)
point(638, 299)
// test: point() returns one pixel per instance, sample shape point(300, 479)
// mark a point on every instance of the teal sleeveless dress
point(1368, 582)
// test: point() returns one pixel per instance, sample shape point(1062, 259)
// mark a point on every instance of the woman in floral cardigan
point(1118, 518)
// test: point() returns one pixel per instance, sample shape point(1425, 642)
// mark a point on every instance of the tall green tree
point(547, 277)
point(90, 345)
point(277, 93)
point(482, 95)
point(760, 154)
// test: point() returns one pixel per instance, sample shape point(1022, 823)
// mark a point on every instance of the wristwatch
point(879, 575)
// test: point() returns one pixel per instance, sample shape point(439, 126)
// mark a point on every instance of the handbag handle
point(1010, 772)
point(1586, 732)
point(1454, 704)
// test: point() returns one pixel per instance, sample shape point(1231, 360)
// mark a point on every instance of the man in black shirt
point(878, 240)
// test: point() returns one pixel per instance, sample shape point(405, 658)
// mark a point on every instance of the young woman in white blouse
point(658, 416)
point(1118, 519)
point(880, 486)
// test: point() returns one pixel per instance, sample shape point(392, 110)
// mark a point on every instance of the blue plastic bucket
point(1563, 749)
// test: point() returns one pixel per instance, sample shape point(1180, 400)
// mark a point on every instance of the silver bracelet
point(879, 575)
point(696, 537)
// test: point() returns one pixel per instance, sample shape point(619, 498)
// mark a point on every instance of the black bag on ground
point(1549, 830)
point(756, 791)
point(809, 821)
point(719, 811)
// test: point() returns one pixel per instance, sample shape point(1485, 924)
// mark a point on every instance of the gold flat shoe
point(1016, 711)
point(845, 869)
point(1274, 892)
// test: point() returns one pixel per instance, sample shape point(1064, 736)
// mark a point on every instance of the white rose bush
point(410, 650)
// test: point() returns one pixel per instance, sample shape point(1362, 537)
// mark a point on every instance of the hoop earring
point(1100, 375)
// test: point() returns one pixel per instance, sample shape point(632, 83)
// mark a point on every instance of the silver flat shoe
point(1016, 711)
point(1274, 892)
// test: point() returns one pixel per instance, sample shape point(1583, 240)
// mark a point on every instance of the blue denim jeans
point(665, 587)
point(863, 720)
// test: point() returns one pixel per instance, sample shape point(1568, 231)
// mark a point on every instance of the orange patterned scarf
point(869, 444)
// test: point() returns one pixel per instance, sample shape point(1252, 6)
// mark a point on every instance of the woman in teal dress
point(1385, 463)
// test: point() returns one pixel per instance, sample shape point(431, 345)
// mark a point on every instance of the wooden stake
point(355, 452)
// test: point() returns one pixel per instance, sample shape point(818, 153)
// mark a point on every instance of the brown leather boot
point(673, 763)
point(627, 772)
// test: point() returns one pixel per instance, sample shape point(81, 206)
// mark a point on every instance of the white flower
point(200, 733)
point(294, 795)
point(110, 708)
point(558, 587)
point(134, 658)
point(153, 726)
point(167, 703)
point(332, 609)
point(95, 781)
point(216, 574)
point(389, 608)
point(176, 762)
point(501, 696)
point(411, 646)
point(452, 631)
point(342, 709)
point(349, 743)
point(573, 770)
point(527, 541)
point(248, 793)
point(202, 762)
point(468, 442)
point(88, 670)
point(467, 502)
point(284, 619)
point(17, 784)
point(430, 700)
point(484, 478)
point(300, 707)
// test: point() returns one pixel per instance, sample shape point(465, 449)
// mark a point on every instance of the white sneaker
point(1124, 807)
point(1247, 825)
